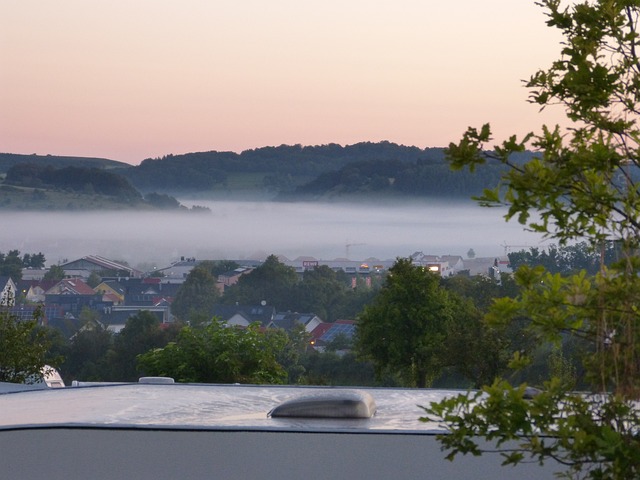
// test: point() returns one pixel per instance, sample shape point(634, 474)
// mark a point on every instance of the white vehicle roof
point(208, 406)
point(157, 430)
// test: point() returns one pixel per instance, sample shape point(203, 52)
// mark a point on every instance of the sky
point(136, 79)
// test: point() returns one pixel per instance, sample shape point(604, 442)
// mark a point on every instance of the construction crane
point(348, 247)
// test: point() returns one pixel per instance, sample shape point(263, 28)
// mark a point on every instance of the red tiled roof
point(74, 286)
point(320, 330)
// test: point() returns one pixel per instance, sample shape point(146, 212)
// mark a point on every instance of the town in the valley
point(95, 297)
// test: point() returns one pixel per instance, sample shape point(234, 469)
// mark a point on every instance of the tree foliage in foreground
point(583, 185)
point(219, 353)
point(142, 332)
point(24, 347)
point(421, 330)
point(403, 330)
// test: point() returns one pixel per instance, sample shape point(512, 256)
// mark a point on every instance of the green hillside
point(286, 172)
point(8, 160)
point(29, 198)
point(43, 187)
point(269, 170)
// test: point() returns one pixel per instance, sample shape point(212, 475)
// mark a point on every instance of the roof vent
point(156, 380)
point(338, 404)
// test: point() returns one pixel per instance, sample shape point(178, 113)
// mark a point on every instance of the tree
point(404, 329)
point(86, 357)
point(94, 280)
point(55, 272)
point(141, 333)
point(321, 292)
point(162, 200)
point(218, 267)
point(24, 348)
point(583, 186)
point(293, 351)
point(197, 295)
point(566, 259)
point(272, 282)
point(330, 368)
point(11, 265)
point(35, 260)
point(77, 179)
point(477, 351)
point(218, 353)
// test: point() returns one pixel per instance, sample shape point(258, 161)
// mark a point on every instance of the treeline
point(281, 168)
point(567, 259)
point(286, 172)
point(318, 172)
point(12, 263)
point(208, 353)
point(323, 291)
point(424, 178)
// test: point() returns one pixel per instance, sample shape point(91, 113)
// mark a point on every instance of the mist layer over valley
point(241, 230)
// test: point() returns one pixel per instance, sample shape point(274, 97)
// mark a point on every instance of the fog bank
point(239, 230)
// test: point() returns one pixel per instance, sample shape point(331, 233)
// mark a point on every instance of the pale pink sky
point(129, 80)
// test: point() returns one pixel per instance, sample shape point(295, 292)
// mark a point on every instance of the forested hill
point(375, 178)
point(286, 172)
point(270, 169)
point(75, 179)
point(323, 172)
point(8, 160)
point(43, 187)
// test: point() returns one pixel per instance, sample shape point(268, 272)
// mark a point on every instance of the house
point(138, 292)
point(8, 292)
point(28, 312)
point(90, 325)
point(231, 278)
point(177, 272)
point(133, 295)
point(72, 295)
point(327, 332)
point(53, 316)
point(455, 262)
point(244, 315)
point(34, 290)
point(112, 290)
point(33, 273)
point(287, 320)
point(71, 286)
point(115, 318)
point(101, 266)
point(445, 265)
point(112, 298)
point(483, 265)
